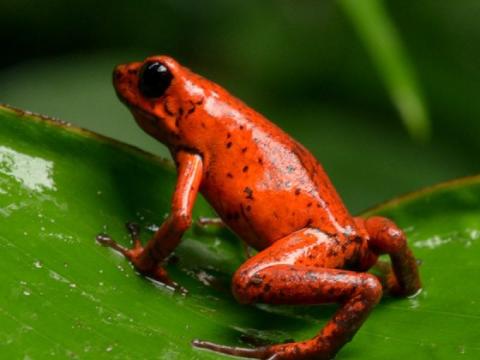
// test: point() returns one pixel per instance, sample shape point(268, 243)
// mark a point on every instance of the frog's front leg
point(146, 259)
point(294, 271)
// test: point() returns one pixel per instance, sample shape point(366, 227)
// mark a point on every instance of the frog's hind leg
point(386, 238)
point(293, 271)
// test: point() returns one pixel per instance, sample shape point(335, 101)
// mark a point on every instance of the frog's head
point(158, 92)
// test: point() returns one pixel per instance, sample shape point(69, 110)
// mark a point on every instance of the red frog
point(274, 195)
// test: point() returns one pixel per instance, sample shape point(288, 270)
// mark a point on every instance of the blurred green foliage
point(301, 63)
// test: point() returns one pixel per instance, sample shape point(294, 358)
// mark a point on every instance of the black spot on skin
point(244, 150)
point(229, 135)
point(256, 280)
point(199, 102)
point(229, 175)
point(249, 193)
point(241, 127)
point(167, 110)
point(245, 168)
point(332, 253)
point(180, 111)
point(267, 287)
point(229, 145)
point(203, 125)
point(309, 223)
point(260, 161)
point(192, 108)
point(297, 191)
point(309, 204)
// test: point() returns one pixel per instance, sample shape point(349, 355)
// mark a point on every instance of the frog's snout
point(126, 72)
point(119, 73)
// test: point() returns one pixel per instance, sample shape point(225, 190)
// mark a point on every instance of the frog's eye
point(154, 79)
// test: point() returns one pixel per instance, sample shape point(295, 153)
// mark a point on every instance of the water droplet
point(153, 227)
point(72, 285)
point(109, 348)
point(42, 228)
point(27, 292)
point(38, 264)
point(99, 192)
point(474, 234)
point(100, 283)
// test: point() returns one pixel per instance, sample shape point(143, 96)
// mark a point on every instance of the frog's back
point(263, 183)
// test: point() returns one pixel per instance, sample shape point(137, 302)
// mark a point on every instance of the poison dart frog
point(270, 191)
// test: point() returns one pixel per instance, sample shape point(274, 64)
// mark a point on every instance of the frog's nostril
point(119, 72)
point(117, 75)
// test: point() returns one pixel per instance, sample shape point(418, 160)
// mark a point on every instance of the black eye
point(154, 79)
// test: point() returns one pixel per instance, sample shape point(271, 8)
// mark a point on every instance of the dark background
point(301, 63)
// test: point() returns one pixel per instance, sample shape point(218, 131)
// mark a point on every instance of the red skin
point(276, 197)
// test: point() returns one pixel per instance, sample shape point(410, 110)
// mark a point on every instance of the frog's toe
point(132, 253)
point(134, 231)
point(107, 241)
point(255, 353)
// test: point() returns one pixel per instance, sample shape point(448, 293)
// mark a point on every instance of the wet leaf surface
point(63, 295)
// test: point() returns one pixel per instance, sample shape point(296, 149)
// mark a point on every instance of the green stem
point(386, 49)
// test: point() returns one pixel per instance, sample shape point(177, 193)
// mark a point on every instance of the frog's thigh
point(280, 275)
point(301, 268)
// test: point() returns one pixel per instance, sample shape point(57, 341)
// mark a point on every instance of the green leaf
point(64, 295)
point(386, 49)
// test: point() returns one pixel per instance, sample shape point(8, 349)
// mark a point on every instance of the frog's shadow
point(145, 190)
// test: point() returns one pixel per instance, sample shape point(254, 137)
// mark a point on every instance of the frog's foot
point(130, 254)
point(134, 255)
point(308, 350)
